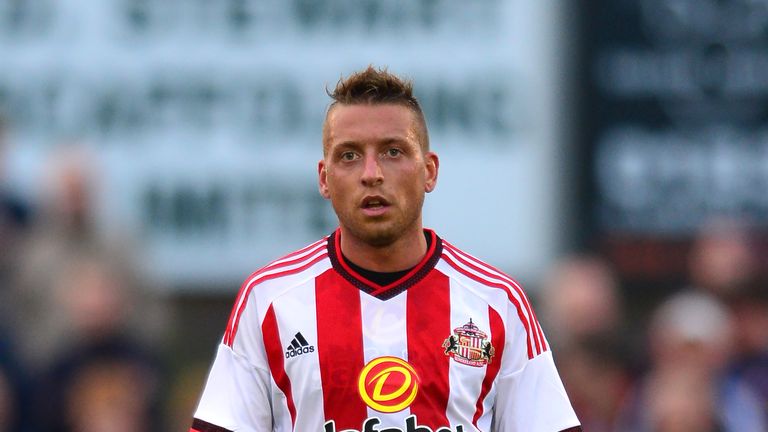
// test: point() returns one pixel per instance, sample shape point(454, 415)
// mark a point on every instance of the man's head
point(376, 163)
point(377, 87)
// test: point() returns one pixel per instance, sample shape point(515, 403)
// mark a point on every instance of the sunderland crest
point(469, 345)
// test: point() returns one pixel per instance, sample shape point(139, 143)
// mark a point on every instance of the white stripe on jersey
point(303, 370)
point(385, 334)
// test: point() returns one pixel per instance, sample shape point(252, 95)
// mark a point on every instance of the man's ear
point(433, 166)
point(322, 179)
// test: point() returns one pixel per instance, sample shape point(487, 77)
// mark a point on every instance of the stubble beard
point(384, 231)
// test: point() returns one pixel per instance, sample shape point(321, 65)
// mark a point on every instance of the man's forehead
point(374, 121)
point(370, 111)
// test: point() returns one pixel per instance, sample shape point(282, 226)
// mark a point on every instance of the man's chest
point(431, 347)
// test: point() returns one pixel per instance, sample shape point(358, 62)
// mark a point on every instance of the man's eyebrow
point(392, 140)
point(346, 145)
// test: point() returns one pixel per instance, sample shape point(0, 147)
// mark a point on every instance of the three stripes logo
point(299, 346)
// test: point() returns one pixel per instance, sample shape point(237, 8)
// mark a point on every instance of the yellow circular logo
point(388, 384)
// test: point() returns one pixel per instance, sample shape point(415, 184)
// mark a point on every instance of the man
point(381, 326)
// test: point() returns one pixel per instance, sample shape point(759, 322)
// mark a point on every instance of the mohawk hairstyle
point(374, 86)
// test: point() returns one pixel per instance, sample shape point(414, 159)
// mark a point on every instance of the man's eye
point(393, 152)
point(348, 156)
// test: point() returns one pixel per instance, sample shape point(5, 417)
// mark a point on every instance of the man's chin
point(376, 236)
point(380, 239)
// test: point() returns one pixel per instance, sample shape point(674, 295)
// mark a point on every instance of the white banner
point(206, 118)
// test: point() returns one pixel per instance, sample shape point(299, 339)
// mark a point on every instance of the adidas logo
point(298, 346)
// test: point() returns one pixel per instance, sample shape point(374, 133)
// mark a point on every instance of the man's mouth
point(374, 206)
point(374, 202)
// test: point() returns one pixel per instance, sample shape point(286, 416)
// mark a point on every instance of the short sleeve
point(237, 393)
point(533, 399)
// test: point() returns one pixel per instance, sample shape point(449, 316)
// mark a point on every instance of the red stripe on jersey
point(340, 349)
point(260, 276)
point(504, 277)
point(428, 323)
point(507, 283)
point(511, 298)
point(498, 338)
point(274, 351)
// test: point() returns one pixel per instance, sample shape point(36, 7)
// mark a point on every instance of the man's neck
point(404, 253)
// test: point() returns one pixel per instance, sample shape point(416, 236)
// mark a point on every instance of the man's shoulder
point(468, 266)
point(274, 279)
point(291, 265)
point(502, 293)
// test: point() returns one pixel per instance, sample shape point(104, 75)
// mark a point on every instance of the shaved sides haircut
point(374, 86)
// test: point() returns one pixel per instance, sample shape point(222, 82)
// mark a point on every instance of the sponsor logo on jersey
point(388, 384)
point(411, 425)
point(299, 346)
point(469, 345)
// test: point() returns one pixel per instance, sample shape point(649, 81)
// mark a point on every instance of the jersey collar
point(386, 292)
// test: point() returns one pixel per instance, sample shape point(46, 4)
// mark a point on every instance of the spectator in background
point(597, 378)
point(682, 401)
point(686, 387)
point(581, 301)
point(111, 396)
point(749, 306)
point(82, 313)
point(583, 314)
point(104, 379)
point(65, 233)
point(723, 263)
point(15, 221)
point(721, 259)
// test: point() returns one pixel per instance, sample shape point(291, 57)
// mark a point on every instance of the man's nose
point(372, 174)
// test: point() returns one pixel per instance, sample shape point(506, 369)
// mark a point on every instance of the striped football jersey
point(452, 346)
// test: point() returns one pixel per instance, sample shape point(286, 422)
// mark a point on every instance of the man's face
point(375, 172)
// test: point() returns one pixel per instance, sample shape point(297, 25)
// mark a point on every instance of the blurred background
point(612, 155)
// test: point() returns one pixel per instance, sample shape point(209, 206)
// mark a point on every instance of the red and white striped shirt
point(452, 346)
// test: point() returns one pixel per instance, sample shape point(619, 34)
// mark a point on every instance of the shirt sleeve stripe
point(495, 272)
point(490, 272)
point(261, 276)
point(245, 289)
point(512, 299)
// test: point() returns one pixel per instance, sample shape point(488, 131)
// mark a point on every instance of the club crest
point(469, 345)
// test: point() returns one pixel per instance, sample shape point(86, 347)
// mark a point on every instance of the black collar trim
point(386, 292)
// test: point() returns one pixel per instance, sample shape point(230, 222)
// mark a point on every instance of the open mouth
point(374, 204)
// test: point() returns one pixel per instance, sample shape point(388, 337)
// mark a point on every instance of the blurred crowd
point(81, 331)
point(696, 362)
